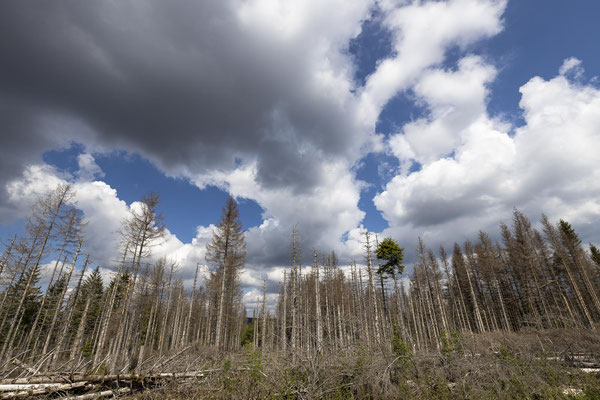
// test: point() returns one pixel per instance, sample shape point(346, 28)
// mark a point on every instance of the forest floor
point(551, 364)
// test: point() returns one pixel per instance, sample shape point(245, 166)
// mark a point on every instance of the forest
point(516, 318)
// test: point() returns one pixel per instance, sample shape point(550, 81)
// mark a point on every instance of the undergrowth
point(462, 368)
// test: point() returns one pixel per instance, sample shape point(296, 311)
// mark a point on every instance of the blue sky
point(183, 205)
point(431, 119)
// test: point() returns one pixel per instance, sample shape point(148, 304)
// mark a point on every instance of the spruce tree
point(31, 302)
point(595, 254)
point(392, 254)
point(226, 254)
point(92, 291)
point(569, 232)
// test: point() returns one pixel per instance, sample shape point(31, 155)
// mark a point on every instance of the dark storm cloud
point(422, 211)
point(17, 148)
point(182, 82)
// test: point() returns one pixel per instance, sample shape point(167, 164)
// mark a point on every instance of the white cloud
point(253, 300)
point(330, 210)
point(35, 181)
point(455, 100)
point(88, 169)
point(423, 31)
point(572, 66)
point(321, 216)
point(278, 94)
point(550, 165)
point(104, 212)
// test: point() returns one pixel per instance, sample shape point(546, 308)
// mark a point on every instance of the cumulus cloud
point(321, 217)
point(572, 66)
point(455, 100)
point(277, 91)
point(255, 97)
point(88, 169)
point(104, 213)
point(548, 165)
point(423, 31)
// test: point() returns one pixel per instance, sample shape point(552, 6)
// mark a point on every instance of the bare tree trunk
point(75, 349)
point(372, 300)
point(263, 340)
point(67, 321)
point(20, 272)
point(552, 235)
point(328, 315)
point(186, 334)
point(283, 316)
point(414, 318)
point(318, 306)
point(364, 317)
point(255, 327)
point(7, 254)
point(221, 305)
point(478, 320)
point(59, 303)
point(107, 312)
point(37, 317)
point(14, 327)
point(163, 329)
point(294, 280)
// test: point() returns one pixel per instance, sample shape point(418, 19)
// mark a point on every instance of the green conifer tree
point(595, 254)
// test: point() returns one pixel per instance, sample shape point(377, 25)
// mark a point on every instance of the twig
point(168, 360)
point(21, 364)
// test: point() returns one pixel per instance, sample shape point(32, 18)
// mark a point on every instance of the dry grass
point(529, 365)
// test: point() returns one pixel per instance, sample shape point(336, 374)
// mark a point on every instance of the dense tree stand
point(345, 329)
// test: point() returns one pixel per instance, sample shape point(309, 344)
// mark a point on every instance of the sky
point(432, 119)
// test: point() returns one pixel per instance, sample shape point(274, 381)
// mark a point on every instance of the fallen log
point(35, 386)
point(37, 379)
point(58, 379)
point(590, 370)
point(37, 389)
point(71, 379)
point(105, 393)
point(194, 374)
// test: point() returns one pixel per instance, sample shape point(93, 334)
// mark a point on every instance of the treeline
point(531, 280)
point(143, 313)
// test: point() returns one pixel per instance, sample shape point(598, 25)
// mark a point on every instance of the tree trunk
point(318, 307)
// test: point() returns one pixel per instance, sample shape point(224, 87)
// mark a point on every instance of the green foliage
point(101, 369)
point(366, 373)
point(569, 232)
point(248, 335)
point(595, 253)
point(401, 349)
point(122, 281)
point(450, 343)
point(228, 380)
point(390, 251)
point(93, 285)
point(227, 365)
point(31, 302)
point(93, 289)
point(363, 359)
point(245, 379)
point(54, 293)
point(591, 394)
point(505, 354)
point(255, 366)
